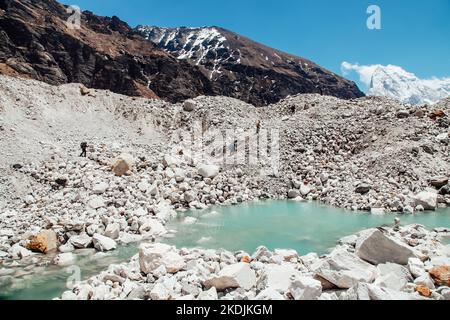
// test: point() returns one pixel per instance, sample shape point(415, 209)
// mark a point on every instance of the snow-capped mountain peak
point(395, 82)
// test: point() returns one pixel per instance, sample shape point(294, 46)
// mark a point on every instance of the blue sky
point(415, 34)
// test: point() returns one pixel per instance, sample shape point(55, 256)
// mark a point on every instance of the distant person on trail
point(83, 146)
point(258, 126)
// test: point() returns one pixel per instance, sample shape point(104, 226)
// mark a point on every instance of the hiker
point(83, 146)
point(293, 109)
point(258, 126)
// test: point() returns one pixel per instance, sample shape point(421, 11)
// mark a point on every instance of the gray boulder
point(344, 269)
point(375, 247)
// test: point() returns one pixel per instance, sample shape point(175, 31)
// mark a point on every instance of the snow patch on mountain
point(202, 45)
point(395, 82)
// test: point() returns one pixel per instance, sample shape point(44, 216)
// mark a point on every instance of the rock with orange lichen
point(45, 242)
point(441, 275)
point(423, 291)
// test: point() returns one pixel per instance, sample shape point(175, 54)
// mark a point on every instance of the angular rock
point(189, 105)
point(344, 269)
point(112, 231)
point(305, 190)
point(416, 267)
point(269, 294)
point(293, 193)
point(238, 275)
point(159, 292)
point(305, 288)
point(97, 202)
point(45, 242)
point(123, 164)
point(102, 243)
point(209, 295)
point(426, 199)
point(287, 254)
point(208, 170)
point(439, 182)
point(375, 247)
point(152, 256)
point(19, 252)
point(81, 241)
point(277, 277)
point(64, 259)
point(367, 291)
point(441, 275)
point(393, 276)
point(363, 188)
point(100, 188)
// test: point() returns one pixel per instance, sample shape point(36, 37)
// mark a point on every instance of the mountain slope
point(394, 82)
point(105, 53)
point(243, 69)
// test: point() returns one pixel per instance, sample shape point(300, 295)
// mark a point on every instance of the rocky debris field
point(376, 264)
point(368, 154)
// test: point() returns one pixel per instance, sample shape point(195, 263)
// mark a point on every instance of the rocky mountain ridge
point(245, 69)
point(106, 53)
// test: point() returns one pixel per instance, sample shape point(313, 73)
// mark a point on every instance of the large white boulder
point(64, 259)
point(277, 277)
point(208, 170)
point(393, 276)
point(152, 227)
point(152, 256)
point(344, 269)
point(416, 267)
point(305, 288)
point(102, 243)
point(427, 199)
point(112, 231)
point(375, 247)
point(368, 291)
point(305, 190)
point(80, 241)
point(238, 275)
point(19, 252)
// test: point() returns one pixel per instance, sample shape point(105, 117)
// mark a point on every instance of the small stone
point(363, 188)
point(423, 291)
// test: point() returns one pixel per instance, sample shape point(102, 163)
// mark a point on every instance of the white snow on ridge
point(395, 82)
point(199, 44)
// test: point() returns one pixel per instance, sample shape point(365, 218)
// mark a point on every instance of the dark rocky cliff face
point(245, 69)
point(106, 53)
point(35, 42)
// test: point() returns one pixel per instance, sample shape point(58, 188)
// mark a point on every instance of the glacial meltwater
point(304, 226)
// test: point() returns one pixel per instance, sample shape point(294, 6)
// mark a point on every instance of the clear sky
point(415, 34)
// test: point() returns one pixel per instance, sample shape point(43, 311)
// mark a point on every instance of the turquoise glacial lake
point(304, 226)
